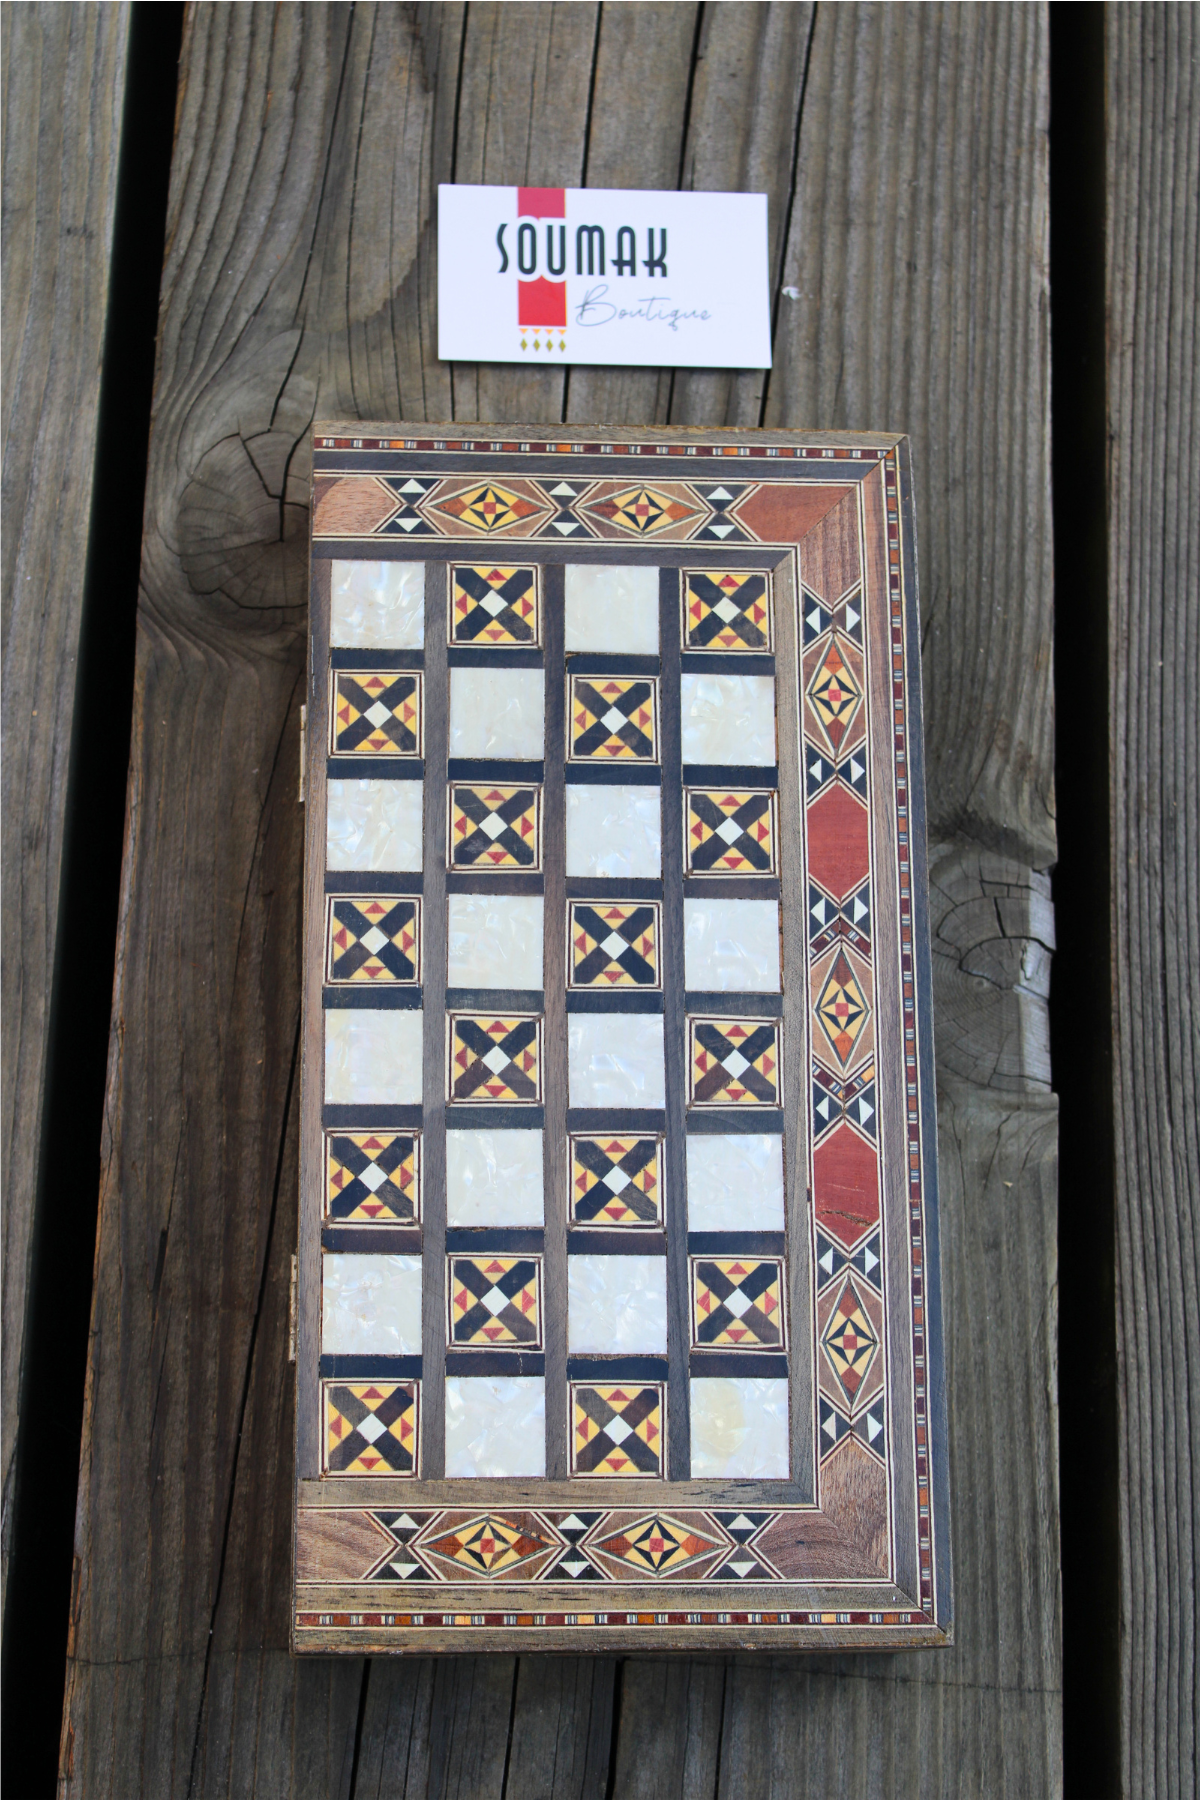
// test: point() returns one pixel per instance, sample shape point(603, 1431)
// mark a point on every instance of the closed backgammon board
point(617, 1307)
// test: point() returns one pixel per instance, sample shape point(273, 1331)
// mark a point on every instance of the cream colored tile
point(615, 1059)
point(728, 718)
point(495, 1425)
point(374, 825)
point(494, 1178)
point(497, 712)
point(372, 1058)
point(735, 1183)
point(377, 605)
point(612, 608)
point(617, 1305)
point(614, 833)
point(370, 1304)
point(495, 941)
point(731, 946)
point(739, 1429)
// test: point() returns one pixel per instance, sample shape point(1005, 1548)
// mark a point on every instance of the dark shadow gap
point(64, 1229)
point(1081, 990)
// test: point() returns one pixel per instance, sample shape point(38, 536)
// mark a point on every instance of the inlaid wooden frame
point(847, 1546)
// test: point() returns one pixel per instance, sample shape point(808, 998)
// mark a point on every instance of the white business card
point(603, 275)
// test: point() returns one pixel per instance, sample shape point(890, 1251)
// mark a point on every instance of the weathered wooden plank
point(295, 126)
point(522, 117)
point(64, 83)
point(914, 314)
point(637, 133)
point(743, 133)
point(1153, 58)
point(562, 1727)
point(670, 1719)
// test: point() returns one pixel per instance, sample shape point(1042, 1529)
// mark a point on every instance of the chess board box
point(617, 1315)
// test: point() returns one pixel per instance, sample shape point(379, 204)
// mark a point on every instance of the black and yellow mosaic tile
point(727, 609)
point(373, 1177)
point(734, 1062)
point(617, 1429)
point(616, 1180)
point(835, 695)
point(494, 605)
point(495, 1301)
point(737, 1303)
point(850, 1342)
point(614, 944)
point(495, 827)
point(660, 1545)
point(841, 1008)
point(614, 718)
point(375, 712)
point(496, 1061)
point(370, 1427)
point(489, 1546)
point(730, 831)
point(372, 938)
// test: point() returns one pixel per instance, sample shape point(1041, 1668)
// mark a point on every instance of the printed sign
point(603, 275)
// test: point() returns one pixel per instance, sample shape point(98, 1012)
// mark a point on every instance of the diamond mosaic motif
point(495, 1301)
point(727, 610)
point(492, 1544)
point(406, 521)
point(734, 1062)
point(614, 945)
point(842, 1009)
point(730, 831)
point(864, 1260)
point(399, 1563)
point(493, 605)
point(495, 1061)
point(613, 718)
point(372, 1177)
point(643, 511)
point(737, 1303)
point(495, 827)
point(616, 1180)
point(747, 1563)
point(829, 919)
point(659, 1545)
point(376, 713)
point(488, 509)
point(834, 695)
point(616, 1429)
point(849, 1341)
point(853, 1099)
point(373, 938)
point(370, 1428)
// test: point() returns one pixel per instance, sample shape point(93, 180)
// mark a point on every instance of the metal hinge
point(292, 1311)
point(303, 749)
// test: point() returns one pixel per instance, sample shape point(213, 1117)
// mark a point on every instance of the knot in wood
point(992, 929)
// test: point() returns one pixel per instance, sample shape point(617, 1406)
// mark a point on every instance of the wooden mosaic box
point(617, 1314)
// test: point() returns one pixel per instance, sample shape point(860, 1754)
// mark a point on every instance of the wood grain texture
point(1153, 57)
point(300, 277)
point(64, 83)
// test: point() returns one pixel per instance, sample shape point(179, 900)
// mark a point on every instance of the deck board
point(1153, 57)
point(64, 86)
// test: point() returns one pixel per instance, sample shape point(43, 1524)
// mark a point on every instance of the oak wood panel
point(1153, 58)
point(300, 274)
point(64, 82)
